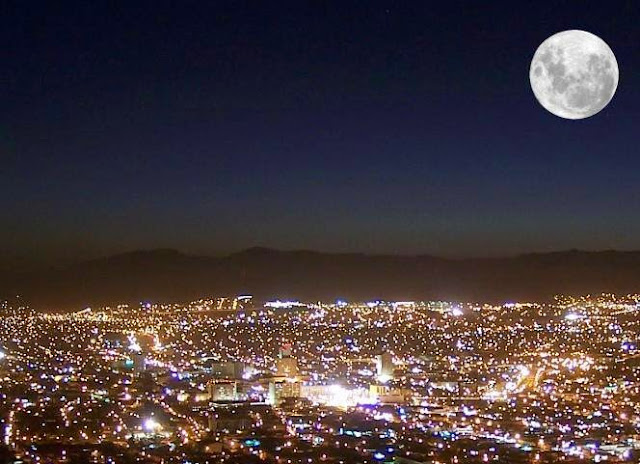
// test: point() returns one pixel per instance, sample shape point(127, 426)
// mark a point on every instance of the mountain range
point(165, 275)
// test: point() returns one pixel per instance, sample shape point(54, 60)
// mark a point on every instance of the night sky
point(370, 126)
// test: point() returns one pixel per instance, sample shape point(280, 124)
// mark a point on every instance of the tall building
point(280, 391)
point(223, 391)
point(286, 365)
point(384, 367)
point(227, 370)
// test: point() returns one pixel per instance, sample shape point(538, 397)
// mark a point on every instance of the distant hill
point(168, 275)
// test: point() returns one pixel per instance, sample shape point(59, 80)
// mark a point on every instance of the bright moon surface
point(574, 74)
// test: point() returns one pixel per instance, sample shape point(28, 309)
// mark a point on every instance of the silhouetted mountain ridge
point(170, 275)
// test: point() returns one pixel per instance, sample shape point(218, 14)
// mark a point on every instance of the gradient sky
point(375, 126)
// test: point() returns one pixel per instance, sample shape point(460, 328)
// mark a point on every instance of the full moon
point(574, 74)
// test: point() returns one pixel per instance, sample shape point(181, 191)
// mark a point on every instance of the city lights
point(351, 382)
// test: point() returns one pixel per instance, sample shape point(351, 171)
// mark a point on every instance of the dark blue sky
point(376, 126)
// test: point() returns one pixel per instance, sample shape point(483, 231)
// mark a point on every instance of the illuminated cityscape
point(294, 232)
point(233, 380)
